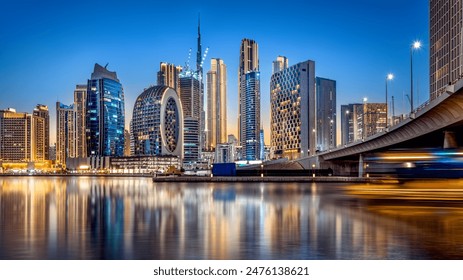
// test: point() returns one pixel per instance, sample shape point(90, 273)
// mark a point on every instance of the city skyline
point(55, 52)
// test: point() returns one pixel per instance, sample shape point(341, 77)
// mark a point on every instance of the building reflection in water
point(132, 218)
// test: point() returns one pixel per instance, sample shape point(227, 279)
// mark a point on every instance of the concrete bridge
point(437, 123)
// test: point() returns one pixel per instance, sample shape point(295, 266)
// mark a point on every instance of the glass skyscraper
point(249, 100)
point(250, 115)
point(105, 117)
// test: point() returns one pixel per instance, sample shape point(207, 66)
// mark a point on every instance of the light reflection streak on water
point(109, 218)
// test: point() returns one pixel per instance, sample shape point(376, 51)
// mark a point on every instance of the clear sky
point(47, 46)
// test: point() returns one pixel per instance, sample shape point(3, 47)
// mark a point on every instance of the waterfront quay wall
point(255, 179)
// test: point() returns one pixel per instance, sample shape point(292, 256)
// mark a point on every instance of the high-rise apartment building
point(80, 107)
point(249, 61)
point(15, 136)
point(359, 121)
point(190, 142)
point(326, 113)
point(349, 123)
point(292, 102)
point(250, 115)
point(168, 75)
point(249, 100)
point(280, 64)
point(41, 136)
point(371, 119)
point(157, 123)
point(126, 143)
point(66, 140)
point(216, 104)
point(105, 117)
point(446, 46)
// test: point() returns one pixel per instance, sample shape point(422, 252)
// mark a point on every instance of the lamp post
point(416, 45)
point(389, 77)
point(364, 126)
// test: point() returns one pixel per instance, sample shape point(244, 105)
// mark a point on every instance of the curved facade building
point(157, 123)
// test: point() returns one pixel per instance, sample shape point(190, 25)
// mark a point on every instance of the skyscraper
point(41, 137)
point(157, 123)
point(250, 115)
point(249, 99)
point(280, 64)
point(168, 75)
point(190, 142)
point(446, 46)
point(359, 121)
point(292, 102)
point(192, 98)
point(15, 135)
point(216, 104)
point(348, 123)
point(66, 139)
point(105, 116)
point(326, 113)
point(371, 119)
point(80, 107)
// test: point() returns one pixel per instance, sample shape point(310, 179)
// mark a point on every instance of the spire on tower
point(198, 53)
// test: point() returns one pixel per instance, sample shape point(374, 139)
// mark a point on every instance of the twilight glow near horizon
point(47, 47)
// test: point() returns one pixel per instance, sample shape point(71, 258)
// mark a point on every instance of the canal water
point(134, 218)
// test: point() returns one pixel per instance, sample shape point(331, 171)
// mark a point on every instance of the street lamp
point(415, 46)
point(389, 77)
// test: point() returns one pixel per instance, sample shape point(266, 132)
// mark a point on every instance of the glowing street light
point(389, 77)
point(415, 46)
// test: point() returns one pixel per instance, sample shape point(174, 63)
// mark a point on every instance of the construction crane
point(187, 63)
point(204, 57)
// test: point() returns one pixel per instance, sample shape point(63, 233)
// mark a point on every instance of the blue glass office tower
point(105, 118)
point(250, 115)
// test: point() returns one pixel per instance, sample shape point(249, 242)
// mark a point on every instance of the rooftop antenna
point(106, 66)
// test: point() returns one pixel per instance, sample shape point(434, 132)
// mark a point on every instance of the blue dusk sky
point(47, 47)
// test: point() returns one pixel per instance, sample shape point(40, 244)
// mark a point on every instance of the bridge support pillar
point(361, 165)
point(450, 140)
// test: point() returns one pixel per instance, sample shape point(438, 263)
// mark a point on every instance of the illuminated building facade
point(80, 107)
point(65, 133)
point(15, 136)
point(446, 46)
point(359, 121)
point(157, 123)
point(143, 164)
point(105, 116)
point(326, 113)
point(41, 133)
point(292, 101)
point(371, 119)
point(216, 104)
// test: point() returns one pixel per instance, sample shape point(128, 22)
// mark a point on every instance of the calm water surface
point(133, 218)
